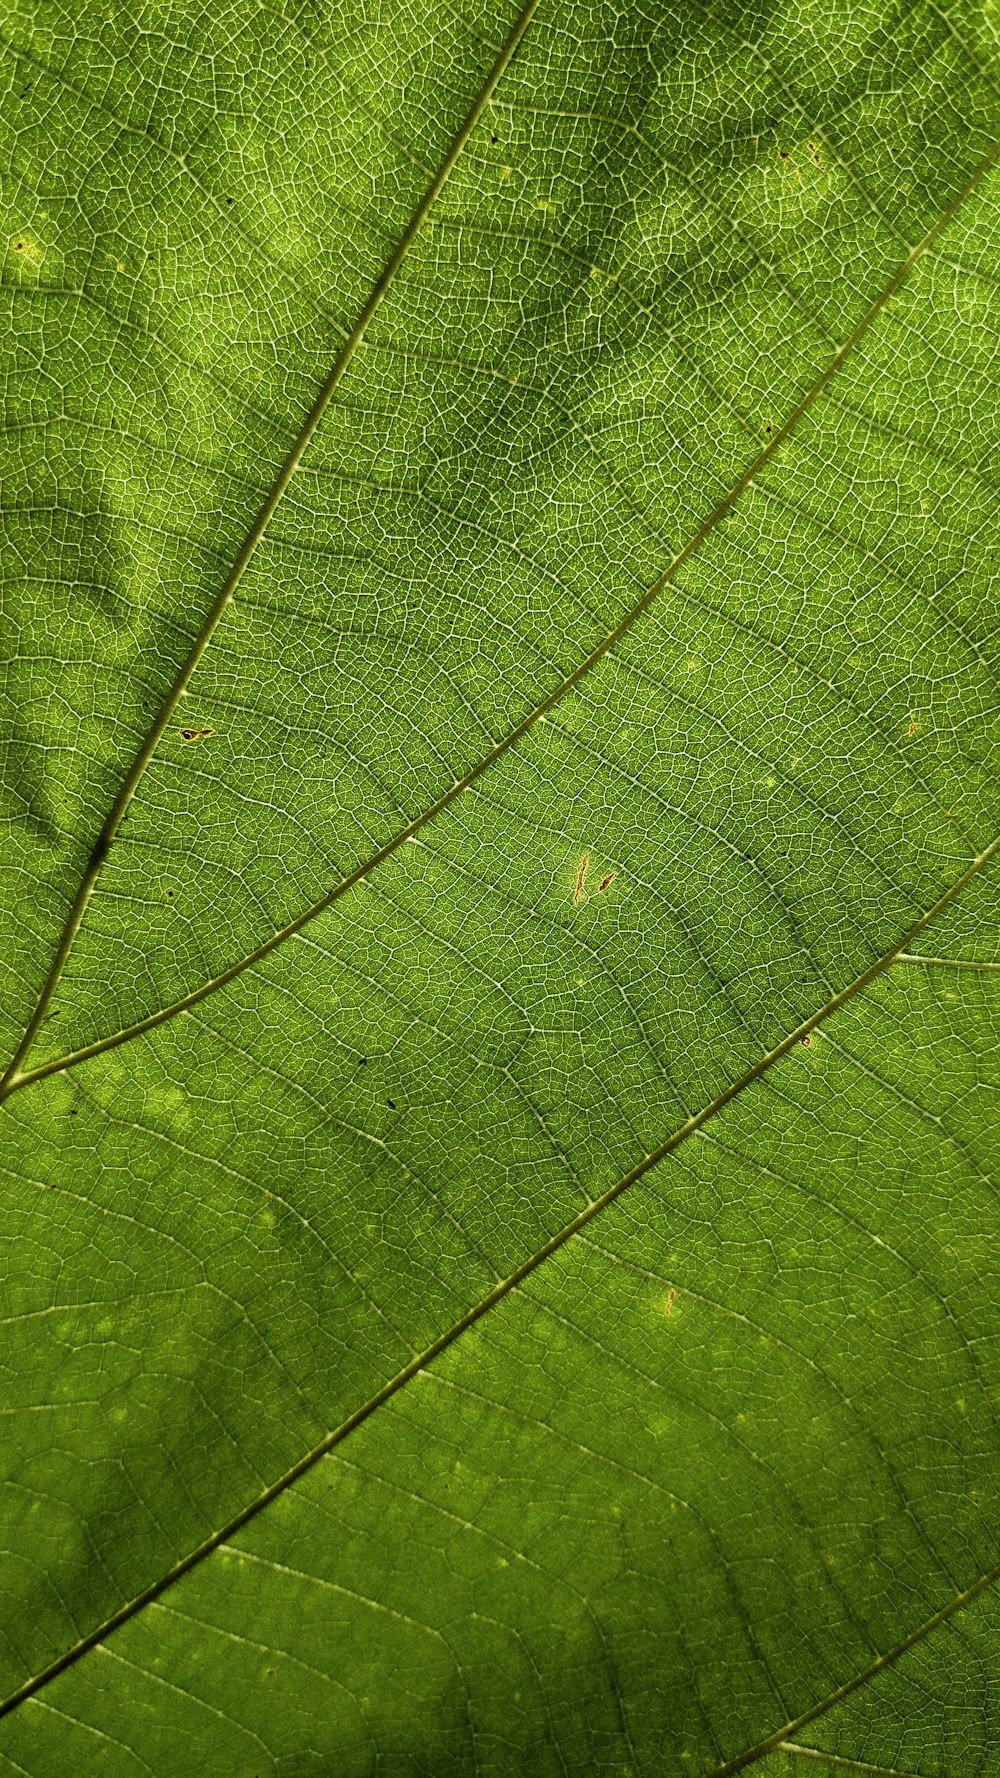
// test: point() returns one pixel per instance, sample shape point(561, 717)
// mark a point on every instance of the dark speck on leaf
point(391, 1104)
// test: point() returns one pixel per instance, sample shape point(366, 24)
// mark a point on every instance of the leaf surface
point(500, 1132)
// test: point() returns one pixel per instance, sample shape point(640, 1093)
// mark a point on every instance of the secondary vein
point(15, 1079)
point(497, 1295)
point(250, 544)
point(775, 1742)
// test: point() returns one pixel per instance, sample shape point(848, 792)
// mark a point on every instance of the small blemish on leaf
point(669, 1304)
point(391, 1104)
point(606, 882)
point(806, 1041)
point(195, 734)
point(580, 888)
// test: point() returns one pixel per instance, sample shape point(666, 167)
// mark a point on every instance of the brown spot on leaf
point(195, 734)
point(606, 882)
point(580, 890)
point(669, 1304)
point(806, 1041)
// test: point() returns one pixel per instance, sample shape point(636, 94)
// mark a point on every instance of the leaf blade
point(477, 930)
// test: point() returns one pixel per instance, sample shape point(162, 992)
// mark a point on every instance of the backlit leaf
point(501, 1012)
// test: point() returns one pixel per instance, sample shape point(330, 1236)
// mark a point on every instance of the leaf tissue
point(500, 1016)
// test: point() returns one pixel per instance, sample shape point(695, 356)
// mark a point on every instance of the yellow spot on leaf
point(28, 250)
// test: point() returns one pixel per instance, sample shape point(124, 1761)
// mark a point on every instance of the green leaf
point(502, 998)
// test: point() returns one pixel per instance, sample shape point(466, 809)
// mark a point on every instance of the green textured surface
point(500, 1236)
